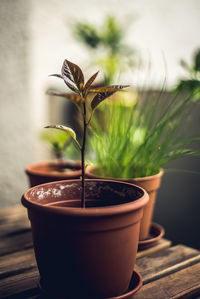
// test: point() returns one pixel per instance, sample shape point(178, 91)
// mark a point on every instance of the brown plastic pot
point(151, 184)
point(49, 171)
point(85, 252)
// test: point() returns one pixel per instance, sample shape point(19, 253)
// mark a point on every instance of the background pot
point(51, 170)
point(85, 253)
point(151, 184)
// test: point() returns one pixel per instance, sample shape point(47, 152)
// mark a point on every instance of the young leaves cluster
point(73, 77)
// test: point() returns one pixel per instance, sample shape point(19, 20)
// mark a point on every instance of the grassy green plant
point(138, 140)
point(106, 42)
point(73, 77)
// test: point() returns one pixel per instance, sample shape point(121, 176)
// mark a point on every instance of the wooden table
point(167, 271)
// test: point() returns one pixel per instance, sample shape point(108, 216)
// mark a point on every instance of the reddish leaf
point(57, 93)
point(73, 73)
point(72, 87)
point(66, 72)
point(100, 96)
point(74, 98)
point(57, 75)
point(91, 80)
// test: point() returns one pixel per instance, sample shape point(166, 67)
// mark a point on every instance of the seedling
point(57, 141)
point(73, 77)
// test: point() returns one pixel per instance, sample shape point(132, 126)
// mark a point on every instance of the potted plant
point(85, 232)
point(55, 169)
point(139, 139)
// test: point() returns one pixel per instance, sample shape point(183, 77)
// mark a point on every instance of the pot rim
point(30, 169)
point(86, 212)
point(146, 178)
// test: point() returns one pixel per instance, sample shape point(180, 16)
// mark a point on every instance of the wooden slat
point(151, 267)
point(18, 272)
point(16, 263)
point(13, 220)
point(12, 212)
point(182, 284)
point(15, 236)
point(158, 265)
point(20, 285)
point(15, 233)
point(13, 227)
point(162, 244)
point(165, 262)
point(17, 241)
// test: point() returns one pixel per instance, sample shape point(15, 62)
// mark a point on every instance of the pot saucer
point(134, 286)
point(155, 234)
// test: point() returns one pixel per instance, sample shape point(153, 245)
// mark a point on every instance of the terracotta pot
point(151, 184)
point(49, 171)
point(91, 252)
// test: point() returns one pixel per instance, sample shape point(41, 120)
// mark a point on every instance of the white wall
point(36, 38)
point(16, 137)
point(168, 29)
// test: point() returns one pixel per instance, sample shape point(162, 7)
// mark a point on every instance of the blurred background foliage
point(107, 44)
point(58, 142)
point(191, 84)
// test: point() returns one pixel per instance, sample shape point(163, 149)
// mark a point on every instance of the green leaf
point(74, 73)
point(68, 130)
point(104, 93)
point(57, 141)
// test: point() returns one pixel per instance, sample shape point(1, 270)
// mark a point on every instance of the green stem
point(83, 156)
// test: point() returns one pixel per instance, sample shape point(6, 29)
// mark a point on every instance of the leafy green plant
point(192, 83)
point(57, 141)
point(137, 141)
point(114, 54)
point(73, 77)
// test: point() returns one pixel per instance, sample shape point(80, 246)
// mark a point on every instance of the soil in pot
point(151, 184)
point(52, 170)
point(91, 252)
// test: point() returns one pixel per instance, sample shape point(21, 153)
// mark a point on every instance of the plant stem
point(59, 156)
point(83, 156)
